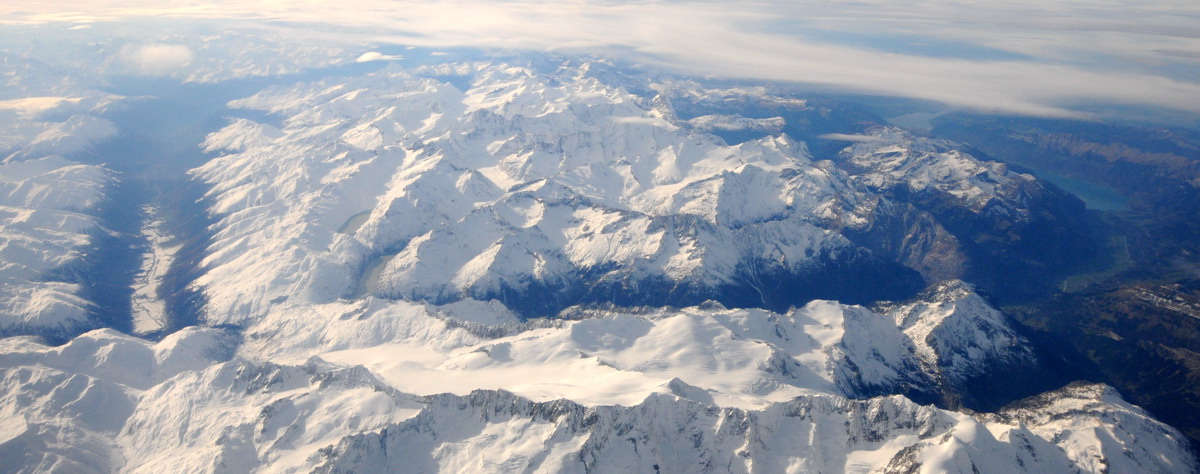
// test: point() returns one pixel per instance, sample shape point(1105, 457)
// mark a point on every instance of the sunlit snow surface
point(574, 391)
point(373, 234)
point(149, 310)
point(48, 206)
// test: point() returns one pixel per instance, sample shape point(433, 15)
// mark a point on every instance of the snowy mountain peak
point(961, 339)
point(499, 431)
point(526, 182)
point(892, 157)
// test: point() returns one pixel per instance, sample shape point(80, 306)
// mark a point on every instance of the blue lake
point(1096, 196)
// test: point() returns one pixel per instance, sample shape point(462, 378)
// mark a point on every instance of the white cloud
point(156, 59)
point(31, 107)
point(377, 56)
point(1021, 56)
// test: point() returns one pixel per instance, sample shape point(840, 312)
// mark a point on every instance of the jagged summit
point(807, 434)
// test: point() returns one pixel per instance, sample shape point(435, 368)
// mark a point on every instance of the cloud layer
point(1038, 58)
point(156, 59)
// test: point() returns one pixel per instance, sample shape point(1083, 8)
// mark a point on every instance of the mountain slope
point(498, 432)
point(731, 389)
point(555, 184)
point(49, 207)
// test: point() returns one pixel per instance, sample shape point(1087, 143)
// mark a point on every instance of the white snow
point(898, 158)
point(149, 310)
point(45, 204)
point(492, 188)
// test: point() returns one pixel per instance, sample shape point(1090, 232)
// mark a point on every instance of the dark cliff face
point(1018, 258)
point(900, 232)
point(1017, 243)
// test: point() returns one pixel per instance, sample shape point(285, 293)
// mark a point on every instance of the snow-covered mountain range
point(409, 388)
point(49, 203)
point(553, 266)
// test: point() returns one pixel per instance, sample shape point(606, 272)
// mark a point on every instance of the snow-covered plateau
point(542, 266)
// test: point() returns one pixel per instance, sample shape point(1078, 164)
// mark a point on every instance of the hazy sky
point(1032, 57)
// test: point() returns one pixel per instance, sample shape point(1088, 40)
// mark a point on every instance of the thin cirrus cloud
point(1025, 57)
